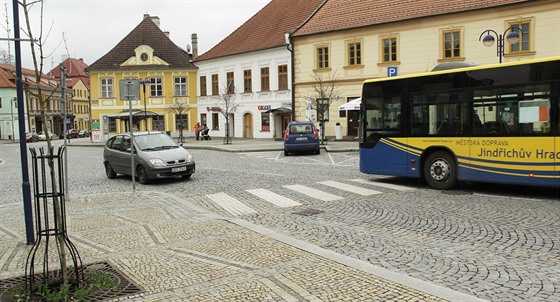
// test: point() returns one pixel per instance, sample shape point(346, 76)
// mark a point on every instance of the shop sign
point(216, 109)
point(265, 107)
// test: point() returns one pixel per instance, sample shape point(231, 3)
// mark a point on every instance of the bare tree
point(227, 105)
point(37, 91)
point(180, 108)
point(325, 92)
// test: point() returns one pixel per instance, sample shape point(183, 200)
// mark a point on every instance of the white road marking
point(274, 198)
point(324, 196)
point(349, 188)
point(231, 204)
point(384, 185)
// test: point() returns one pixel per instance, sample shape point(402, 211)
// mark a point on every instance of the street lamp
point(144, 82)
point(512, 37)
point(12, 102)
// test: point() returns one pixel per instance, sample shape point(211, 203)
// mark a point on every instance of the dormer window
point(144, 57)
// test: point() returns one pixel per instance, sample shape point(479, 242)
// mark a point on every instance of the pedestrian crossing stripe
point(383, 184)
point(317, 194)
point(274, 198)
point(231, 204)
point(237, 208)
point(349, 188)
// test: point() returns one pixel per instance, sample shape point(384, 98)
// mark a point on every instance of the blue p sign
point(392, 71)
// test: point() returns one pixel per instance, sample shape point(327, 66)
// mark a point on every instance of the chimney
point(155, 19)
point(194, 42)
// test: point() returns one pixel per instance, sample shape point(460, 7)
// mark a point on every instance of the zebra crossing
point(235, 207)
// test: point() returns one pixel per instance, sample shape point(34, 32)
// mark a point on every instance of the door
point(352, 117)
point(248, 122)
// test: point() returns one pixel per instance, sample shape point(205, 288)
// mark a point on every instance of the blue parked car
point(301, 137)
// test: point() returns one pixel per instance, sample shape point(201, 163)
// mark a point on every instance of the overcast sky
point(93, 27)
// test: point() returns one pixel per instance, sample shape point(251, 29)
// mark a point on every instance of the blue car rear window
point(301, 129)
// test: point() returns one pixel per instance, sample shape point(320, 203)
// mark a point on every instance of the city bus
point(495, 123)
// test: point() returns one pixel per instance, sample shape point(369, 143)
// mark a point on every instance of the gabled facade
point(9, 122)
point(77, 83)
point(254, 65)
point(168, 78)
point(368, 39)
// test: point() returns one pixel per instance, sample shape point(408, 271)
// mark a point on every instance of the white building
point(252, 67)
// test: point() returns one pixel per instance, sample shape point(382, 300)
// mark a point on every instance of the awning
point(136, 113)
point(352, 105)
point(280, 110)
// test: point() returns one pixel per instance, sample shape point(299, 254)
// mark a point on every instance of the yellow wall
point(419, 48)
point(159, 105)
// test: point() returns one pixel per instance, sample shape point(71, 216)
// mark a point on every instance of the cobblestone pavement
point(497, 243)
point(178, 252)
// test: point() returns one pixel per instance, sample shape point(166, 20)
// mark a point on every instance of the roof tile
point(346, 14)
point(266, 29)
point(146, 33)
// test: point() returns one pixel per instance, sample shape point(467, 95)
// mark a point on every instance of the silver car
point(156, 155)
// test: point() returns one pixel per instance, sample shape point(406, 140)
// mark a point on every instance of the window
point(322, 57)
point(524, 44)
point(215, 87)
point(323, 109)
point(265, 80)
point(180, 86)
point(181, 121)
point(156, 87)
point(112, 124)
point(203, 86)
point(389, 50)
point(230, 82)
point(265, 121)
point(354, 53)
point(203, 120)
point(215, 122)
point(107, 88)
point(451, 44)
point(247, 81)
point(157, 123)
point(283, 77)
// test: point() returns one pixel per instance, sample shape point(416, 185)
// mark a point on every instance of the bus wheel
point(440, 171)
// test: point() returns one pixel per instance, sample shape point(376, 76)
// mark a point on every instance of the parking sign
point(392, 71)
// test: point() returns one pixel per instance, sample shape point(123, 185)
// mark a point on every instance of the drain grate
point(308, 212)
point(124, 286)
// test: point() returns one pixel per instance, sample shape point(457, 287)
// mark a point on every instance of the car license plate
point(179, 169)
point(303, 138)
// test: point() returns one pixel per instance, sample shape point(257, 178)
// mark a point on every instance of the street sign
point(129, 90)
point(392, 71)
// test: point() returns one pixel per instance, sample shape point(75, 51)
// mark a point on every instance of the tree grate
point(123, 285)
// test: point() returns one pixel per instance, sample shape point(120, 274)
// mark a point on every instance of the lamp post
point(12, 102)
point(512, 37)
point(144, 82)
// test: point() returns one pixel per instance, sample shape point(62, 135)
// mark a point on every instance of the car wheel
point(142, 175)
point(440, 171)
point(318, 151)
point(186, 176)
point(286, 153)
point(111, 174)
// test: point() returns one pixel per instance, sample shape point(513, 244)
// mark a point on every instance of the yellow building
point(167, 99)
point(380, 38)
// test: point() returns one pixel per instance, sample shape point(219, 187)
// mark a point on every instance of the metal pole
point(133, 172)
point(145, 110)
point(12, 112)
point(64, 117)
point(26, 189)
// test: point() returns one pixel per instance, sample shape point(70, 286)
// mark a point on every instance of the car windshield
point(155, 141)
point(301, 129)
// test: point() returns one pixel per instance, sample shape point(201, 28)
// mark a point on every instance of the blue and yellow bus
point(494, 123)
